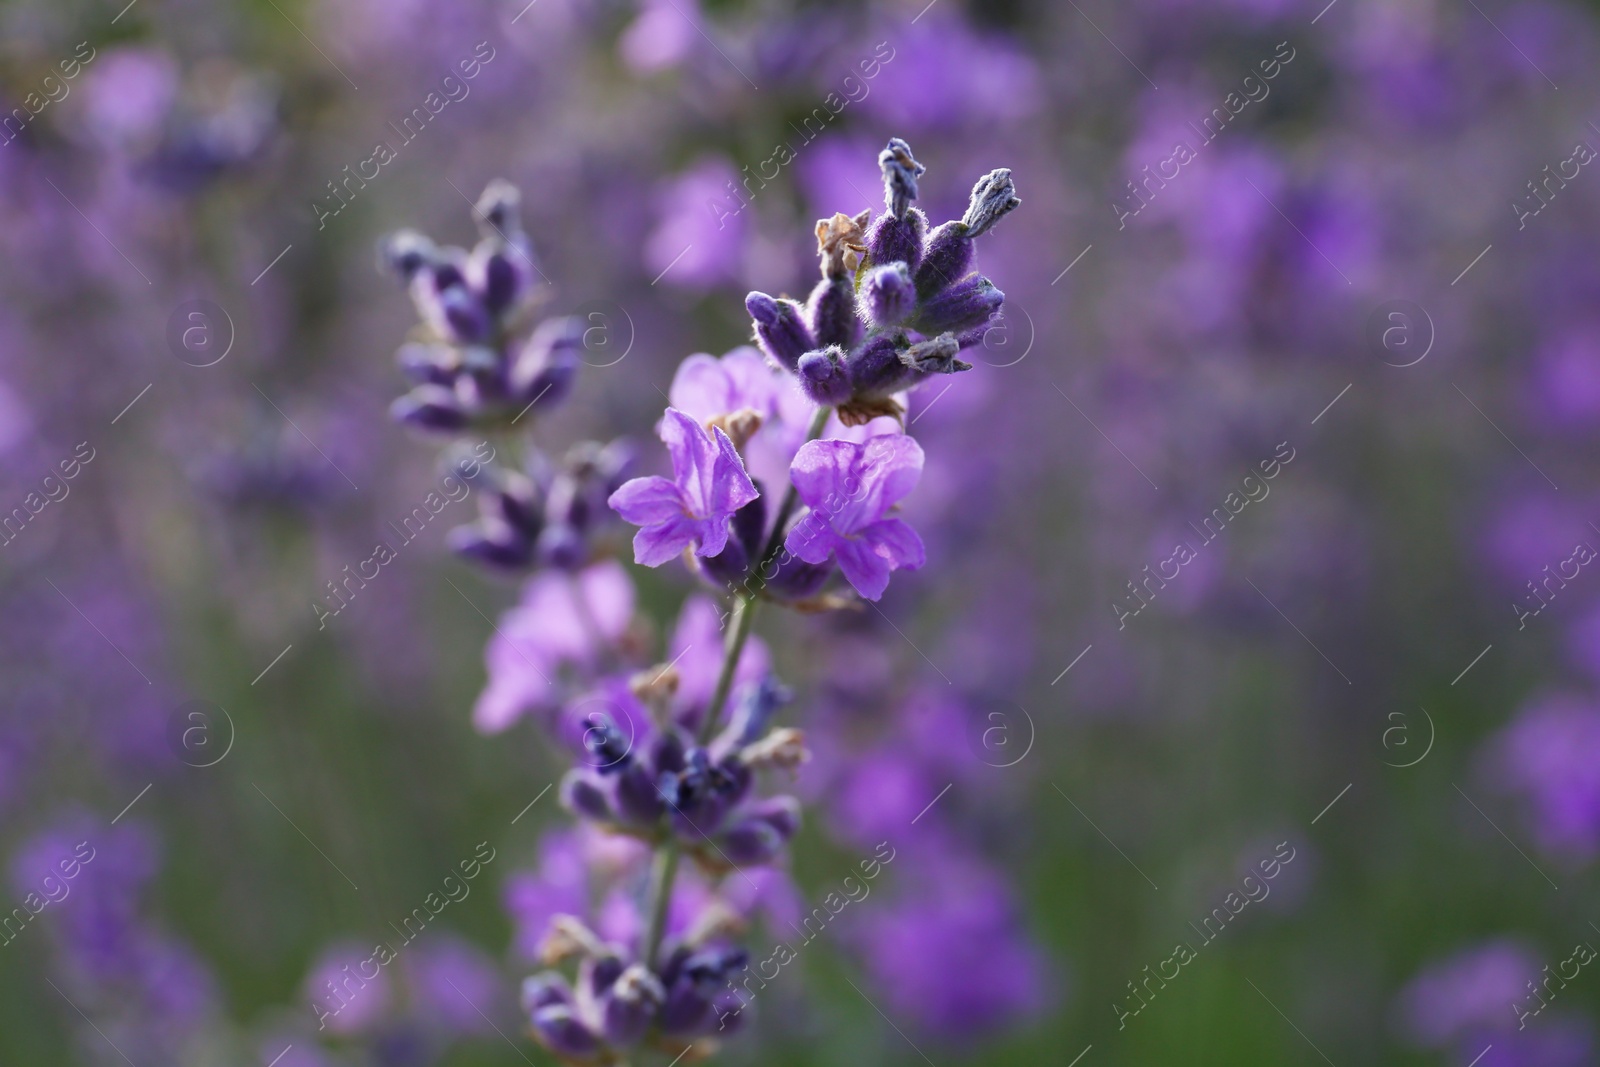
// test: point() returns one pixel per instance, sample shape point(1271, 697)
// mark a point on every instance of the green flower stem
point(665, 868)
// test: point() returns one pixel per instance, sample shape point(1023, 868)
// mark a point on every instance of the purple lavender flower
point(474, 365)
point(1550, 757)
point(564, 621)
point(692, 508)
point(1468, 993)
point(949, 953)
point(913, 290)
point(850, 489)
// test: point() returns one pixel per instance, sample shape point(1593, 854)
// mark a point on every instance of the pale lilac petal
point(812, 539)
point(608, 596)
point(752, 382)
point(864, 567)
point(713, 537)
point(646, 501)
point(897, 542)
point(655, 545)
point(820, 470)
point(700, 388)
point(694, 456)
point(503, 701)
point(887, 469)
point(731, 488)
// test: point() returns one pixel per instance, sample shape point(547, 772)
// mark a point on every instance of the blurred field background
point(1321, 649)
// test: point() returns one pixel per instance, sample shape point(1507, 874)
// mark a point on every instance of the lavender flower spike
point(707, 486)
point(850, 489)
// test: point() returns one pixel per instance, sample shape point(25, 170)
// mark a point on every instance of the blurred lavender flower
point(1549, 757)
point(472, 364)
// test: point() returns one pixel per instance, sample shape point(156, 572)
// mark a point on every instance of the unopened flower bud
point(823, 376)
point(781, 329)
point(889, 295)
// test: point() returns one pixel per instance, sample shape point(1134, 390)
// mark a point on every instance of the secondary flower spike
point(707, 486)
point(850, 489)
point(896, 302)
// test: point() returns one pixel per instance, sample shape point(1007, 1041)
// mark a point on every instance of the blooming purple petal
point(849, 488)
point(708, 485)
point(646, 501)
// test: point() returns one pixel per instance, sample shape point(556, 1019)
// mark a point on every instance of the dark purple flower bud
point(515, 501)
point(629, 1006)
point(637, 797)
point(545, 368)
point(561, 545)
point(823, 376)
point(876, 370)
point(900, 174)
point(498, 210)
point(686, 1012)
point(558, 1029)
point(890, 295)
point(703, 792)
point(491, 542)
point(438, 364)
point(781, 329)
point(993, 197)
point(969, 303)
point(781, 813)
point(750, 843)
point(544, 990)
point(795, 579)
point(937, 356)
point(667, 752)
point(756, 706)
point(946, 258)
point(597, 974)
point(607, 745)
point(729, 1008)
point(728, 567)
point(750, 522)
point(832, 312)
point(892, 240)
point(407, 252)
point(582, 795)
point(465, 317)
point(430, 407)
point(500, 272)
